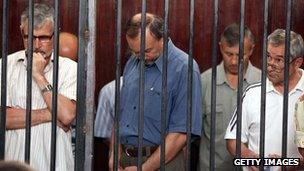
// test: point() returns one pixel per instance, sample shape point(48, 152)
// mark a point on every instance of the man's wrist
point(46, 88)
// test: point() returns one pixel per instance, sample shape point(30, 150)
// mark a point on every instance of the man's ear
point(299, 61)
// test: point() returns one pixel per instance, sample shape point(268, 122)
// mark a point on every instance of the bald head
point(154, 24)
point(68, 44)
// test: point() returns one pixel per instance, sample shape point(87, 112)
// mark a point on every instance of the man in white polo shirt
point(250, 135)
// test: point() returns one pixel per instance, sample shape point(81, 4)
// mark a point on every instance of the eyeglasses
point(278, 62)
point(42, 38)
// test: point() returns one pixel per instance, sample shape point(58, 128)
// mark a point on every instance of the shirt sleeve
point(231, 129)
point(178, 115)
point(69, 82)
point(105, 112)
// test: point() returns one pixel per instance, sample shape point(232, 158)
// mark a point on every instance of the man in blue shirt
point(176, 115)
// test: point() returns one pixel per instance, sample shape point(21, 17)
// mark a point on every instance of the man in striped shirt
point(250, 135)
point(42, 76)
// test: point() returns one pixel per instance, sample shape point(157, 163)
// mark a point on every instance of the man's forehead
point(276, 50)
point(45, 27)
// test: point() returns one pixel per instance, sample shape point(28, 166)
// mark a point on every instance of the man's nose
point(234, 60)
point(36, 42)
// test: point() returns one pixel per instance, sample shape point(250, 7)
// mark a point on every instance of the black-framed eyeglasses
point(42, 38)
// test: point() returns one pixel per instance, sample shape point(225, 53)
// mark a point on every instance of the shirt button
point(128, 125)
point(134, 107)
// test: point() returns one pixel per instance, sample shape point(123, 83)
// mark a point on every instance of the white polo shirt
point(274, 114)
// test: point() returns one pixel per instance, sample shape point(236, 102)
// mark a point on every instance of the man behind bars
point(42, 72)
point(226, 92)
point(177, 99)
point(250, 135)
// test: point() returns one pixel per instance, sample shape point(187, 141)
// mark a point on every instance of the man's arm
point(15, 118)
point(111, 153)
point(66, 107)
point(245, 152)
point(174, 144)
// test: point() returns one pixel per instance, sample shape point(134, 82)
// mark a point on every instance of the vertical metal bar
point(263, 80)
point(286, 81)
point(81, 86)
point(164, 97)
point(5, 28)
point(189, 84)
point(29, 83)
point(213, 86)
point(118, 9)
point(55, 85)
point(240, 81)
point(141, 82)
point(90, 83)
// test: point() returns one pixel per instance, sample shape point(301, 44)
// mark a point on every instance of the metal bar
point(55, 86)
point(213, 86)
point(141, 83)
point(263, 86)
point(81, 86)
point(5, 28)
point(90, 84)
point(29, 83)
point(240, 81)
point(189, 84)
point(164, 97)
point(286, 81)
point(118, 9)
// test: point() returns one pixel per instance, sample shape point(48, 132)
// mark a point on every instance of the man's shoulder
point(207, 74)
point(16, 55)
point(253, 90)
point(67, 63)
point(254, 73)
point(178, 59)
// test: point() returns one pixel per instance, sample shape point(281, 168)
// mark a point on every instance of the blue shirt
point(177, 98)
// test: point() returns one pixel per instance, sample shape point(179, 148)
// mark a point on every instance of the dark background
point(178, 25)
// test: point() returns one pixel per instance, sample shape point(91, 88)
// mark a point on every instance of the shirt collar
point(299, 86)
point(159, 60)
point(221, 75)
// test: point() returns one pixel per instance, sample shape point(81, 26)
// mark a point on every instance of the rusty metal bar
point(190, 83)
point(213, 86)
point(29, 83)
point(55, 86)
point(164, 96)
point(240, 80)
point(5, 28)
point(118, 9)
point(263, 81)
point(141, 83)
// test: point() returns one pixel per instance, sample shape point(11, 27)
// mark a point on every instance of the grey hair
point(231, 35)
point(277, 38)
point(42, 13)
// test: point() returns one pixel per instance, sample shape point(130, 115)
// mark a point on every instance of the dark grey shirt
point(226, 98)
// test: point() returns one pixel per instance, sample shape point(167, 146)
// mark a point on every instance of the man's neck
point(293, 81)
point(232, 79)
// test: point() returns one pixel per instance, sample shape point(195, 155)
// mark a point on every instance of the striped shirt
point(273, 123)
point(105, 111)
point(40, 134)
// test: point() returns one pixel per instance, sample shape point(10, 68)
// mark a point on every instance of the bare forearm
point(66, 108)
point(111, 153)
point(245, 152)
point(16, 118)
point(174, 144)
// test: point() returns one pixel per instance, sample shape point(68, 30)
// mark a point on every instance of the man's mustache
point(37, 51)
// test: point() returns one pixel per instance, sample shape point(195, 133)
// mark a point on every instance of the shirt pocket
point(219, 123)
point(153, 104)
